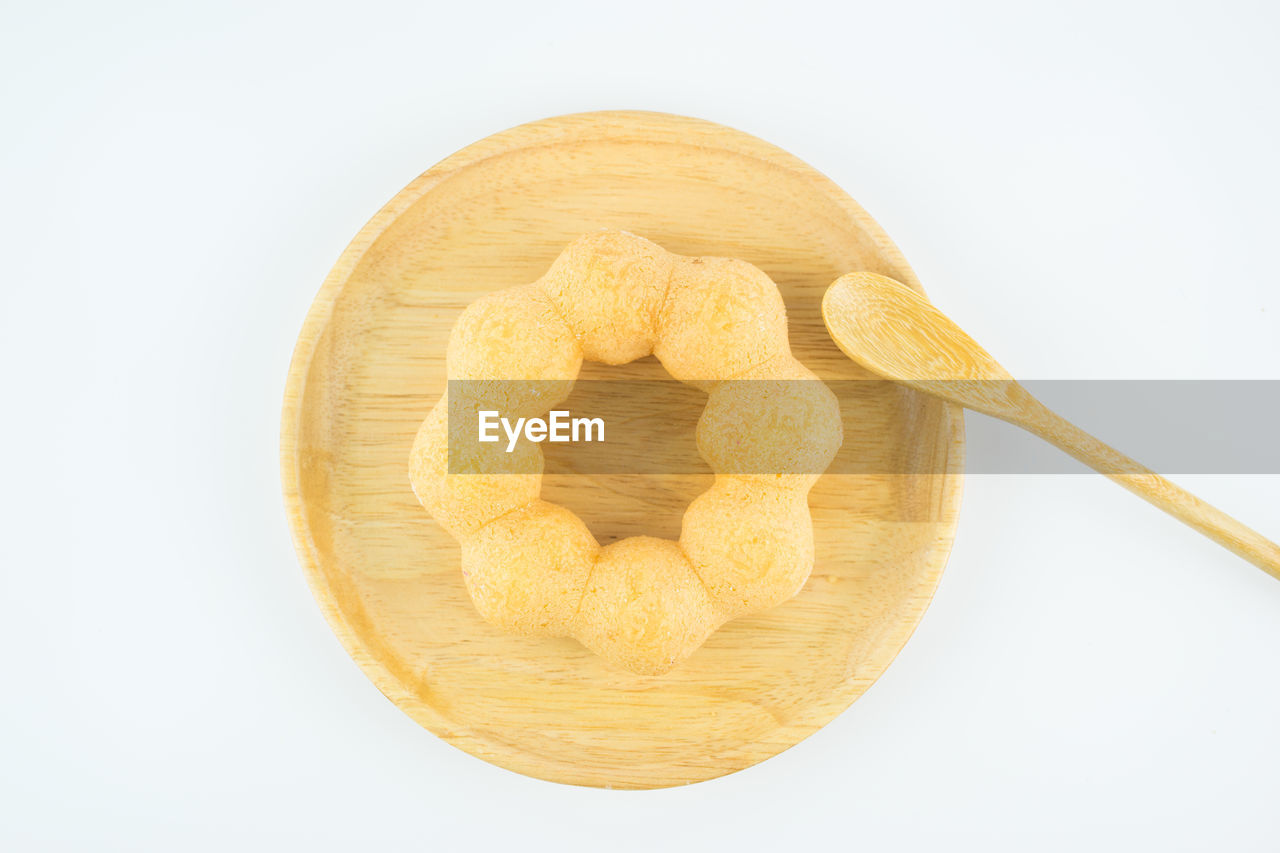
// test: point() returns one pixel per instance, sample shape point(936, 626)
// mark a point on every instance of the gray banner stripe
point(649, 427)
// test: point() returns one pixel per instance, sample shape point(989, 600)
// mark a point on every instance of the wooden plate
point(369, 364)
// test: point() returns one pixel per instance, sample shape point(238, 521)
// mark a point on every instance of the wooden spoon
point(896, 333)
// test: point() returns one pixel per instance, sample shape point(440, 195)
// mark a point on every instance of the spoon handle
point(1150, 486)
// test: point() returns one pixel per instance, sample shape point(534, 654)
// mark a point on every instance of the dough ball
point(526, 570)
point(644, 608)
point(769, 429)
point(752, 545)
point(777, 421)
point(609, 286)
point(512, 350)
point(721, 317)
point(472, 495)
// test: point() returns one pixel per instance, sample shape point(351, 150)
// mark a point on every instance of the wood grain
point(369, 363)
point(895, 332)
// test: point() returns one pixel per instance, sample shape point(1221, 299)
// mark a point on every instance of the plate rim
point(538, 133)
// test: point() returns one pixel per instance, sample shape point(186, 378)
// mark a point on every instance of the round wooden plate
point(369, 364)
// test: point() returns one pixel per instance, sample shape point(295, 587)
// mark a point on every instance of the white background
point(1089, 188)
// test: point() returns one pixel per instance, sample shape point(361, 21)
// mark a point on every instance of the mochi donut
point(769, 429)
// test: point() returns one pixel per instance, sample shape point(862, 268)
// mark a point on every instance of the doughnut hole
point(721, 317)
point(514, 351)
point(644, 608)
point(472, 495)
point(776, 422)
point(526, 570)
point(752, 545)
point(609, 286)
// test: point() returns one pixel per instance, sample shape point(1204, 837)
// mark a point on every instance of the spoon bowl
point(896, 333)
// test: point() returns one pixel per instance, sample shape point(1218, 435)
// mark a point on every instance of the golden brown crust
point(471, 496)
point(540, 540)
point(609, 286)
point(644, 606)
point(775, 420)
point(746, 544)
point(751, 544)
point(722, 316)
point(510, 335)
